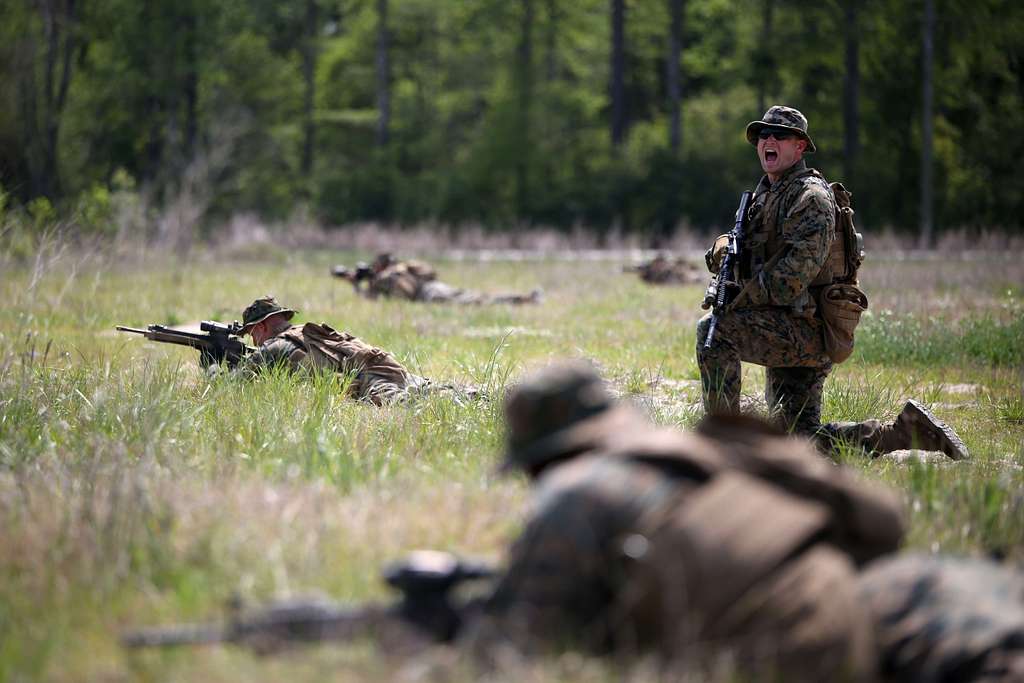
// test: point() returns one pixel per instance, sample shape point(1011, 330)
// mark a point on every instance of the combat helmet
point(260, 310)
point(558, 412)
point(781, 117)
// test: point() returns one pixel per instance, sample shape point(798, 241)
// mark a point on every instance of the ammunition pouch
point(840, 306)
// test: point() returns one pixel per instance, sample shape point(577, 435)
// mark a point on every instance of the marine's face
point(266, 329)
point(779, 149)
point(259, 333)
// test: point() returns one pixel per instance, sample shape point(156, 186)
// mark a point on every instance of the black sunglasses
point(777, 133)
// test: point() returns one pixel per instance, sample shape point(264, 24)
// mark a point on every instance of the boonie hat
point(260, 310)
point(557, 411)
point(785, 118)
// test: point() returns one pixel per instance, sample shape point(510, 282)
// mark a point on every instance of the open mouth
point(770, 155)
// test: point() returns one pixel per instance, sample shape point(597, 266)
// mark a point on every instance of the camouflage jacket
point(664, 541)
point(794, 218)
point(404, 280)
point(941, 619)
point(376, 376)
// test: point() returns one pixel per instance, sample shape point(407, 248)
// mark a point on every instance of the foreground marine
point(733, 549)
point(791, 270)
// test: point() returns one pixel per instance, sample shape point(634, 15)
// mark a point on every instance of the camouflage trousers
point(792, 350)
point(946, 618)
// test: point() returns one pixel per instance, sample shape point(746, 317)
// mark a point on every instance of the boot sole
point(952, 446)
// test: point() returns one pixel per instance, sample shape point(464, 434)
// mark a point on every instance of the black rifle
point(723, 288)
point(424, 612)
point(218, 344)
point(361, 273)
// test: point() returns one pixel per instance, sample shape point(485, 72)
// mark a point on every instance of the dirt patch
point(906, 457)
point(960, 389)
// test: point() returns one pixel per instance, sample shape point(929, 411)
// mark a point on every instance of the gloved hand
point(713, 256)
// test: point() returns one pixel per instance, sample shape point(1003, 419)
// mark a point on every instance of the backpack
point(759, 548)
point(840, 300)
point(847, 251)
point(327, 348)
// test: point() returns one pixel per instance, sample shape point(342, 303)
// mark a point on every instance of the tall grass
point(134, 489)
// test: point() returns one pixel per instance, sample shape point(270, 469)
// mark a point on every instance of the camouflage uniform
point(417, 281)
point(732, 540)
point(377, 377)
point(945, 620)
point(772, 321)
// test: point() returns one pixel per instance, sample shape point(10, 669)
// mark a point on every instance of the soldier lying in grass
point(414, 280)
point(733, 541)
point(664, 269)
point(377, 377)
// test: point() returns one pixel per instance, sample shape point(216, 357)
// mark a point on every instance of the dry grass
point(132, 490)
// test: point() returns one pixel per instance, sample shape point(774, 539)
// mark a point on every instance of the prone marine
point(414, 280)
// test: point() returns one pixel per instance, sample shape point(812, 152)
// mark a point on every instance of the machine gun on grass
point(217, 343)
point(425, 613)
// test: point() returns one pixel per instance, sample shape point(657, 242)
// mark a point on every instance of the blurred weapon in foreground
point(423, 615)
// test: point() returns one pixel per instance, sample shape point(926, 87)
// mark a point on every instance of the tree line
point(624, 114)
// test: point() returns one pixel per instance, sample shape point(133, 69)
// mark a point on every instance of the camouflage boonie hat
point(260, 310)
point(557, 411)
point(781, 117)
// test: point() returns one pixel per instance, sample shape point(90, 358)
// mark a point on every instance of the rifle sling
point(753, 281)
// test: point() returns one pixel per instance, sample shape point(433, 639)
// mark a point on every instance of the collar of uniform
point(288, 333)
point(794, 170)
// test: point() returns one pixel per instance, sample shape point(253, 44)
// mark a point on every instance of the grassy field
point(135, 491)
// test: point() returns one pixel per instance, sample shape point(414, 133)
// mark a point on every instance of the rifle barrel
point(122, 328)
point(168, 636)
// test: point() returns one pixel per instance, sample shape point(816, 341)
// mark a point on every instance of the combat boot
point(917, 427)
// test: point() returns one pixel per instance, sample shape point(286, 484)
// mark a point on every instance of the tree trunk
point(309, 55)
point(383, 75)
point(927, 65)
point(673, 81)
point(618, 67)
point(190, 84)
point(550, 47)
point(851, 86)
point(765, 66)
point(524, 68)
point(60, 33)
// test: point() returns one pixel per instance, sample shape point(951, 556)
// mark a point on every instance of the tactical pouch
point(840, 306)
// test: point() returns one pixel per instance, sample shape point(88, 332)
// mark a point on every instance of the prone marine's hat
point(557, 412)
point(785, 118)
point(260, 310)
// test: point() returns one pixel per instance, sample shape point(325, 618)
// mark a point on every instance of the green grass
point(134, 490)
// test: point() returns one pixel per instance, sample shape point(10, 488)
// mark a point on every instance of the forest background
point(610, 116)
